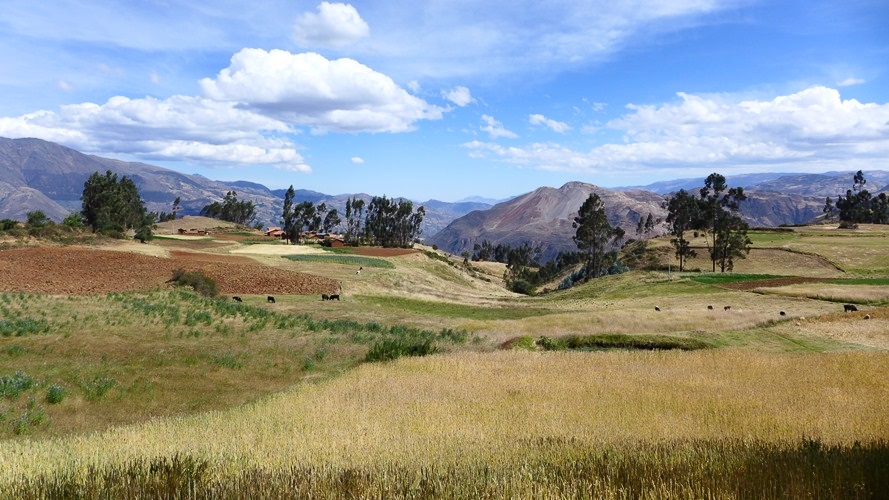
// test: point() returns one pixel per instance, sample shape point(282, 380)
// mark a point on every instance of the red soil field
point(75, 271)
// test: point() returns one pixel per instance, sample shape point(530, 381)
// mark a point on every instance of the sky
point(448, 99)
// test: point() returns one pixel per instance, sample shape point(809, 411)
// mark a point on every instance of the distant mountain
point(481, 199)
point(41, 175)
point(544, 217)
point(826, 184)
point(59, 173)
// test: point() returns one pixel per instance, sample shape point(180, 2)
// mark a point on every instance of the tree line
point(858, 206)
point(384, 222)
point(715, 212)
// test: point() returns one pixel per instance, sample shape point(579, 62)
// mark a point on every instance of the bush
point(98, 387)
point(55, 394)
point(522, 286)
point(197, 280)
point(7, 224)
point(390, 349)
point(12, 386)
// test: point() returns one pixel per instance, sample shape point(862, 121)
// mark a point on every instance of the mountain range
point(40, 175)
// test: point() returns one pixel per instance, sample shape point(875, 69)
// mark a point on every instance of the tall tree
point(354, 219)
point(288, 216)
point(113, 206)
point(594, 234)
point(392, 223)
point(719, 218)
point(231, 210)
point(683, 215)
point(331, 221)
point(858, 206)
point(305, 216)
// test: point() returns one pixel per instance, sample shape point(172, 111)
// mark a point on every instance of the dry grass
point(489, 409)
point(833, 292)
point(852, 328)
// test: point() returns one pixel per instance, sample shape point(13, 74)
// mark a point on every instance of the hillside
point(544, 217)
point(41, 175)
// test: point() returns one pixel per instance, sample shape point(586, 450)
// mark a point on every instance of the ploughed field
point(79, 271)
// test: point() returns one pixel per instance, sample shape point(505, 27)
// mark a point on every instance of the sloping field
point(73, 270)
point(493, 413)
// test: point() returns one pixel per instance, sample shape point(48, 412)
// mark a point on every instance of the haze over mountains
point(41, 175)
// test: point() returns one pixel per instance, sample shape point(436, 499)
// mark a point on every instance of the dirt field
point(77, 270)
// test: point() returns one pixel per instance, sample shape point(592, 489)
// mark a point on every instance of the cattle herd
point(271, 299)
point(846, 308)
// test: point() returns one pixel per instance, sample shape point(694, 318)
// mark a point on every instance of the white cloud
point(460, 39)
point(848, 82)
point(555, 126)
point(178, 128)
point(459, 96)
point(495, 129)
point(335, 25)
point(339, 95)
point(814, 128)
point(414, 86)
point(64, 85)
point(357, 160)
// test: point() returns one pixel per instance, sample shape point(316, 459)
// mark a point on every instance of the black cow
point(726, 308)
point(324, 296)
point(270, 299)
point(782, 313)
point(236, 298)
point(849, 308)
point(710, 308)
point(334, 297)
point(656, 308)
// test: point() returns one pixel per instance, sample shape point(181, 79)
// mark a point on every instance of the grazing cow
point(849, 307)
point(270, 299)
point(335, 297)
point(236, 298)
point(867, 316)
point(726, 308)
point(710, 308)
point(782, 313)
point(324, 296)
point(656, 308)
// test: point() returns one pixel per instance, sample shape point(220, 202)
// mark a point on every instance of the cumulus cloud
point(495, 129)
point(339, 95)
point(553, 125)
point(335, 25)
point(357, 160)
point(459, 96)
point(177, 128)
point(814, 127)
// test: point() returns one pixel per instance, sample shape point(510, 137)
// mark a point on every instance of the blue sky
point(447, 99)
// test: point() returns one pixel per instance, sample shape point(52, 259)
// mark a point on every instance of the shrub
point(522, 286)
point(98, 387)
point(55, 394)
point(197, 280)
point(390, 349)
point(12, 386)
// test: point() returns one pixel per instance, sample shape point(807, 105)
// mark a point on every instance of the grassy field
point(160, 392)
